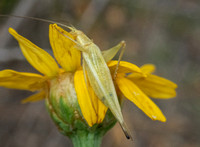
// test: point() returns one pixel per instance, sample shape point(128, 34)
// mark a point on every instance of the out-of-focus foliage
point(6, 6)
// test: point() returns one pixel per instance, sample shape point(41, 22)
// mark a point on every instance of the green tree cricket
point(99, 74)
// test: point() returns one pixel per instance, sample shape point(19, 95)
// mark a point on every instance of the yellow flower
point(57, 80)
point(137, 87)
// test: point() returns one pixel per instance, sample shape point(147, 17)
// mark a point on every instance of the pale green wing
point(110, 53)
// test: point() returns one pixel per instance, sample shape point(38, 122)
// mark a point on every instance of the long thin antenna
point(35, 18)
point(47, 21)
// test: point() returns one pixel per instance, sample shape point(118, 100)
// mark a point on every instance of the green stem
point(86, 139)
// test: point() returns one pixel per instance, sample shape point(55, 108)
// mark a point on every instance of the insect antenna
point(48, 21)
point(35, 18)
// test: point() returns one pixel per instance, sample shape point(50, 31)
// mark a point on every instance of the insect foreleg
point(78, 46)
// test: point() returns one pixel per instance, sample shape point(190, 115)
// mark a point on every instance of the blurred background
point(165, 33)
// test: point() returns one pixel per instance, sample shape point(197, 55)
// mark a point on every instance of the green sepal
point(66, 112)
point(80, 124)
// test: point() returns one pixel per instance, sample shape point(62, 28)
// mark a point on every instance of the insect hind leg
point(110, 53)
point(122, 47)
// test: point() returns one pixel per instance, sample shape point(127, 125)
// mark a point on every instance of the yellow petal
point(124, 67)
point(148, 68)
point(92, 109)
point(134, 94)
point(63, 48)
point(155, 86)
point(99, 107)
point(35, 97)
point(21, 80)
point(36, 56)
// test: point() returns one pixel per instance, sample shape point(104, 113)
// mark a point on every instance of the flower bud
point(64, 109)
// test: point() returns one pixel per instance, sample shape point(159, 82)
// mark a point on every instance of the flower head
point(70, 100)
